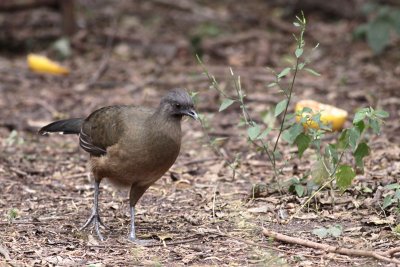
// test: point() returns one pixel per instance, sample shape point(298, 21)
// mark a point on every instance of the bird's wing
point(103, 128)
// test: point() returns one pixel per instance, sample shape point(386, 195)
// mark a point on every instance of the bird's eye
point(177, 105)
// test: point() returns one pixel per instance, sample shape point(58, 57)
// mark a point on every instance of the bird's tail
point(70, 126)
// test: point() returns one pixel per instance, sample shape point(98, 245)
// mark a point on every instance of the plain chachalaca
point(130, 146)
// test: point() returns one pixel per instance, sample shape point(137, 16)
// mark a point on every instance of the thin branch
point(383, 256)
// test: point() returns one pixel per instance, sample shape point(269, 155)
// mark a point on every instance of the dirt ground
point(198, 214)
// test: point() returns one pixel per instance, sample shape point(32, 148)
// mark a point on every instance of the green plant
point(14, 139)
point(382, 20)
point(393, 197)
point(12, 214)
point(334, 231)
point(396, 229)
point(328, 168)
point(301, 186)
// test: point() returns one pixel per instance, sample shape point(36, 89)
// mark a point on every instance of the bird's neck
point(167, 124)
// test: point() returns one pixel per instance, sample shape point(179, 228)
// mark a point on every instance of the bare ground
point(209, 216)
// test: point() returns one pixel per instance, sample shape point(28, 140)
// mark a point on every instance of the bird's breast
point(138, 160)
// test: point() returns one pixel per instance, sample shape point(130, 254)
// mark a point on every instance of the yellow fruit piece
point(330, 115)
point(42, 64)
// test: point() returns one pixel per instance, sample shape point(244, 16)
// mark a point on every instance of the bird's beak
point(191, 113)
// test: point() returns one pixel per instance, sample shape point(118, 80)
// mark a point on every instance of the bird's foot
point(95, 218)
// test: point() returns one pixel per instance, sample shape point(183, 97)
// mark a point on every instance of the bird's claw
point(95, 218)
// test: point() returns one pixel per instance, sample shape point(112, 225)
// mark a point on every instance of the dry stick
point(383, 256)
point(252, 243)
point(392, 251)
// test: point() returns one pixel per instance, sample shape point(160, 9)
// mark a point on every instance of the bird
point(131, 146)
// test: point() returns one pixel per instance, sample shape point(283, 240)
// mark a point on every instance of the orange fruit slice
point(42, 64)
point(330, 115)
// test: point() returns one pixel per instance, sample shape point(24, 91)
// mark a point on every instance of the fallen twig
point(383, 256)
point(392, 251)
point(252, 243)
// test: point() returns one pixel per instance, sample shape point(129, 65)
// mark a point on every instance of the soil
point(199, 213)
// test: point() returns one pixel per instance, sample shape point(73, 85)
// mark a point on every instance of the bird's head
point(177, 103)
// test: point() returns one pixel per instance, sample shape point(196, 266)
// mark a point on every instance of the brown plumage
point(130, 146)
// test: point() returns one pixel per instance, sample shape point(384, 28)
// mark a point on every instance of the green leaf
point(381, 113)
point(396, 20)
point(360, 126)
point(367, 190)
point(225, 104)
point(291, 134)
point(306, 110)
point(360, 31)
point(63, 47)
point(378, 34)
point(253, 132)
point(397, 194)
point(344, 176)
point(313, 72)
point(316, 143)
point(392, 186)
point(359, 116)
point(302, 141)
point(299, 190)
point(320, 232)
point(361, 151)
point(375, 126)
point(319, 172)
point(272, 84)
point(290, 116)
point(387, 201)
point(298, 52)
point(264, 133)
point(284, 72)
point(277, 155)
point(280, 107)
point(296, 24)
point(335, 231)
point(369, 7)
point(331, 152)
point(343, 139)
point(354, 135)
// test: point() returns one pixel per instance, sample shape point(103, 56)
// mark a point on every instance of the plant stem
point(287, 106)
point(332, 178)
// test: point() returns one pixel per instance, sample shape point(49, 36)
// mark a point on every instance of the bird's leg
point(134, 195)
point(132, 233)
point(95, 217)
